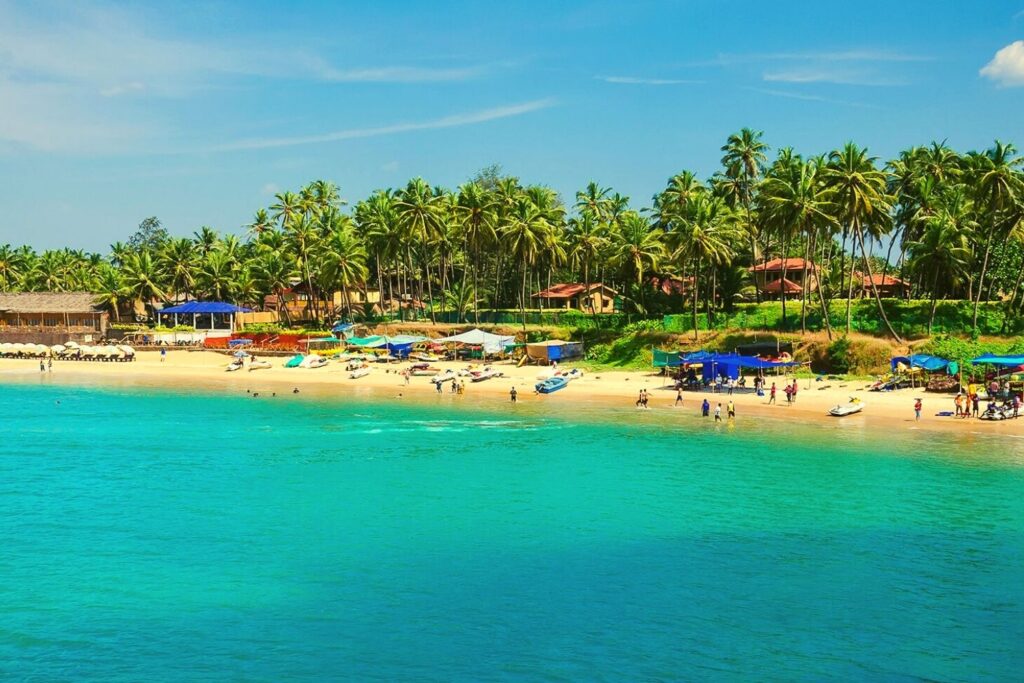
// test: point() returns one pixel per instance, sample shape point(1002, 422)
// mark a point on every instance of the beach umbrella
point(57, 349)
point(240, 354)
point(72, 344)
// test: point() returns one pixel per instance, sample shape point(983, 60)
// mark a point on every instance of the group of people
point(968, 404)
point(730, 407)
point(458, 387)
point(790, 391)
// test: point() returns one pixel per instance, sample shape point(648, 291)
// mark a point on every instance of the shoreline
point(608, 389)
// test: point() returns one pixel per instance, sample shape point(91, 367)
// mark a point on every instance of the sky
point(198, 113)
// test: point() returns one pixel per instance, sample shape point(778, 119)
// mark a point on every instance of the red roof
point(567, 290)
point(672, 285)
point(883, 281)
point(776, 264)
point(776, 286)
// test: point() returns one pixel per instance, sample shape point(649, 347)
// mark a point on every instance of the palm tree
point(261, 224)
point(525, 235)
point(142, 278)
point(11, 264)
point(477, 210)
point(998, 185)
point(638, 249)
point(217, 275)
point(858, 194)
point(744, 159)
point(179, 261)
point(796, 203)
point(419, 211)
point(942, 255)
point(111, 290)
point(274, 272)
point(586, 239)
point(705, 235)
point(343, 261)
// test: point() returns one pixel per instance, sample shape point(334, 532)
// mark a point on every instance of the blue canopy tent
point(729, 364)
point(204, 315)
point(926, 362)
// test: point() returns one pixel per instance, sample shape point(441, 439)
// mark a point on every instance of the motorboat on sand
point(854, 406)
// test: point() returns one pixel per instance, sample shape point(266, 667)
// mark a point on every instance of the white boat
point(485, 374)
point(234, 365)
point(259, 365)
point(446, 376)
point(843, 409)
point(313, 361)
point(360, 372)
point(575, 373)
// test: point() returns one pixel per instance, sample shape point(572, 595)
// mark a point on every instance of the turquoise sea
point(151, 535)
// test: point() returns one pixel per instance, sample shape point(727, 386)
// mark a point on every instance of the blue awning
point(926, 362)
point(992, 359)
point(205, 307)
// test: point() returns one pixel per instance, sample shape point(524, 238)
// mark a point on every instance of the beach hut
point(553, 350)
point(212, 317)
point(489, 344)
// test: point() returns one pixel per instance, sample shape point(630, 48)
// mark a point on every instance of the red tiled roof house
point(768, 277)
point(576, 296)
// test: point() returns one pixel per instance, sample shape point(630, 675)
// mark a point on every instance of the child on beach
point(771, 396)
point(959, 402)
point(704, 408)
point(679, 396)
point(731, 410)
point(513, 394)
point(718, 413)
point(917, 410)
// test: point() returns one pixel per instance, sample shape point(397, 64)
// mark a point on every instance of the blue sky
point(199, 112)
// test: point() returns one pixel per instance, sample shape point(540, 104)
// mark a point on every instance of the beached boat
point(446, 376)
point(234, 365)
point(259, 365)
point(842, 410)
point(484, 375)
point(995, 413)
point(551, 385)
point(313, 361)
point(359, 372)
point(426, 357)
point(423, 370)
point(295, 361)
point(575, 373)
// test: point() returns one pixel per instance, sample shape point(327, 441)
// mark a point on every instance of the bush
point(839, 356)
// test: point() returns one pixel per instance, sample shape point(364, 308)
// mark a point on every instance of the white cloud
point(452, 121)
point(809, 98)
point(115, 90)
point(1007, 67)
point(634, 80)
point(390, 166)
point(827, 74)
point(269, 189)
point(855, 55)
point(404, 74)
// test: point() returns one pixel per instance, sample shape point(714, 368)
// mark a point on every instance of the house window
point(51, 322)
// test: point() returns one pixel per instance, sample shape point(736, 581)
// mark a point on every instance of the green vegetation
point(949, 225)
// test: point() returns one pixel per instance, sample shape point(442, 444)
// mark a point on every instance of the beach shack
point(553, 350)
point(51, 317)
point(212, 318)
point(477, 340)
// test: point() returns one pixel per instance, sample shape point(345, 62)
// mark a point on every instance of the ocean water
point(168, 536)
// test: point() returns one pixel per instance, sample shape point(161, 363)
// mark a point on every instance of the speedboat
point(423, 370)
point(313, 361)
point(359, 372)
point(295, 361)
point(483, 375)
point(234, 365)
point(551, 385)
point(259, 365)
point(446, 376)
point(843, 409)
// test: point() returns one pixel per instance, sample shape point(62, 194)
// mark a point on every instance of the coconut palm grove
point(944, 226)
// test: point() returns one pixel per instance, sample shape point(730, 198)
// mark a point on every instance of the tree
point(942, 255)
point(150, 235)
point(704, 235)
point(524, 236)
point(638, 250)
point(744, 159)
point(858, 194)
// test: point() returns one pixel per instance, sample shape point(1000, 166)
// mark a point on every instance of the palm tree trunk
point(981, 277)
point(849, 288)
point(874, 290)
point(935, 301)
point(430, 287)
point(782, 285)
point(522, 296)
point(696, 280)
point(803, 294)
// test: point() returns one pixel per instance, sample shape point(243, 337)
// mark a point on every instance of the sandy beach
point(206, 370)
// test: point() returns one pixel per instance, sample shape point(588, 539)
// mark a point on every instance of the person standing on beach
point(1016, 405)
point(439, 387)
point(704, 408)
point(42, 366)
point(679, 396)
point(917, 409)
point(163, 354)
point(789, 393)
point(49, 364)
point(794, 390)
point(718, 413)
point(975, 404)
point(731, 409)
point(771, 396)
point(959, 402)
point(513, 394)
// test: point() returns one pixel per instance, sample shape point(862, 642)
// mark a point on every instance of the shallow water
point(163, 536)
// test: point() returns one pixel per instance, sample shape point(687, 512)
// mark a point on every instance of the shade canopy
point(992, 359)
point(554, 349)
point(205, 307)
point(491, 343)
point(716, 364)
point(926, 362)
